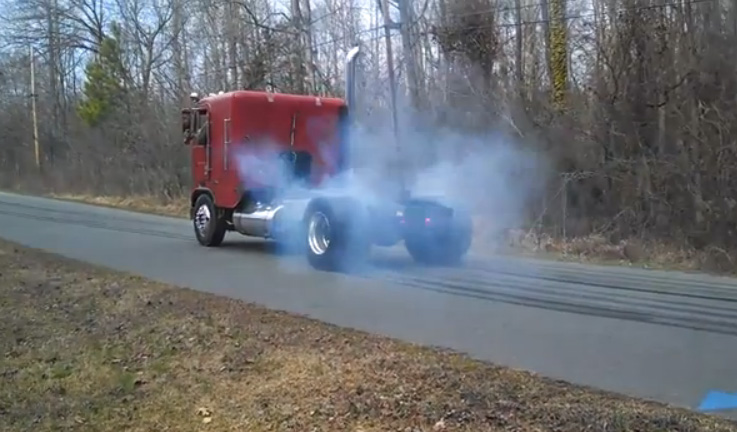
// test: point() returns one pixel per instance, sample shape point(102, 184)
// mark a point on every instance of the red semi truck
point(260, 165)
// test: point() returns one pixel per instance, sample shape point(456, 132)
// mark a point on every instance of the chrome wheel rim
point(202, 219)
point(318, 233)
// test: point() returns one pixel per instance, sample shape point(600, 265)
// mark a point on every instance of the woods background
point(635, 102)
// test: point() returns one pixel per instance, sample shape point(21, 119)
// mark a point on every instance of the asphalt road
point(660, 335)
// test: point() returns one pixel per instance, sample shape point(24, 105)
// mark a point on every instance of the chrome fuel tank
point(271, 220)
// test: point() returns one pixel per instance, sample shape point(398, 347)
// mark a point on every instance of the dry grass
point(89, 349)
point(588, 249)
point(598, 249)
point(145, 204)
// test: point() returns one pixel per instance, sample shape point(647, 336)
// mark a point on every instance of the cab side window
point(202, 125)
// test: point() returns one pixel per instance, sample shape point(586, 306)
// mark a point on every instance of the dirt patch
point(89, 349)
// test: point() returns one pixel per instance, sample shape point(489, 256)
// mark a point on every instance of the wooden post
point(33, 111)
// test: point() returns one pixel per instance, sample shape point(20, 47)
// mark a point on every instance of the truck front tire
point(335, 235)
point(209, 227)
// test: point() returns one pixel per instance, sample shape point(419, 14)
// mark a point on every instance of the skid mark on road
point(535, 293)
point(672, 286)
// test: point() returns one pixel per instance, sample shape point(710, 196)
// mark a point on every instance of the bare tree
point(632, 101)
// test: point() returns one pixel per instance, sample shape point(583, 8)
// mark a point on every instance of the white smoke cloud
point(492, 173)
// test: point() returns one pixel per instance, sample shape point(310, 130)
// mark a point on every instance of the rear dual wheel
point(446, 248)
point(335, 234)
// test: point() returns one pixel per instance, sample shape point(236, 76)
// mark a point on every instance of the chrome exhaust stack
point(350, 76)
point(349, 113)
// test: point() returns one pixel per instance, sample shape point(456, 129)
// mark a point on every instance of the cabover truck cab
point(263, 165)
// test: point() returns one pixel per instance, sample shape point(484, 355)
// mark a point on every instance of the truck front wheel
point(336, 238)
point(209, 227)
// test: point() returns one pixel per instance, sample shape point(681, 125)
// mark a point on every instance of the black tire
point(209, 226)
point(442, 249)
point(347, 246)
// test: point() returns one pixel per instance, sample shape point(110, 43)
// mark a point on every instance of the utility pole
point(33, 110)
